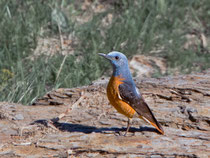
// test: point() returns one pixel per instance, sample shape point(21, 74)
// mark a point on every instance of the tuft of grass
point(156, 28)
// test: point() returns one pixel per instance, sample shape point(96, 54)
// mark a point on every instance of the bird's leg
point(128, 126)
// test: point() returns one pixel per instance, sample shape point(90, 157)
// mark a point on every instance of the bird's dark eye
point(116, 57)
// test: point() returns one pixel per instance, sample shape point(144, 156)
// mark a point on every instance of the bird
point(123, 94)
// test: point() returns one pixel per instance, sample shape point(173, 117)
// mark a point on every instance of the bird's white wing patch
point(145, 119)
point(137, 91)
point(119, 96)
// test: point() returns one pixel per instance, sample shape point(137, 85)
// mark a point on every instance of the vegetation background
point(46, 44)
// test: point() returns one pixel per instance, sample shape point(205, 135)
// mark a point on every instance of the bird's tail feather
point(156, 124)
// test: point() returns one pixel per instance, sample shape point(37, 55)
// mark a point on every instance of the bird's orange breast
point(115, 99)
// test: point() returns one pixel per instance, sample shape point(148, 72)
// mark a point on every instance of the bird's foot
point(125, 134)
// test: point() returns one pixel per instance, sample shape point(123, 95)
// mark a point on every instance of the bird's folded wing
point(130, 95)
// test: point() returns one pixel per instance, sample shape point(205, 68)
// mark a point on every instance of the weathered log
point(87, 126)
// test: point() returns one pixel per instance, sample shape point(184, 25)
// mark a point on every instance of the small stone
point(191, 110)
point(156, 156)
point(69, 152)
point(19, 117)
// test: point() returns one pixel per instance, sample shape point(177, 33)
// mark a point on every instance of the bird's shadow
point(71, 127)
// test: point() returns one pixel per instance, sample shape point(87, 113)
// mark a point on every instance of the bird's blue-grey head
point(119, 63)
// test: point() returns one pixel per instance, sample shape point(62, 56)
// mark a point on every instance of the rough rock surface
point(92, 127)
point(147, 66)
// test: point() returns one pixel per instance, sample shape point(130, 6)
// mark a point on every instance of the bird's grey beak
point(104, 55)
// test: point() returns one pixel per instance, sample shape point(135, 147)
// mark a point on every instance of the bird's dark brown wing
point(130, 95)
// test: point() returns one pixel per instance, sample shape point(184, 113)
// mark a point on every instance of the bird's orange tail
point(155, 124)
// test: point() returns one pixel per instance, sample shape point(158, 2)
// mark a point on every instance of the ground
point(91, 127)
